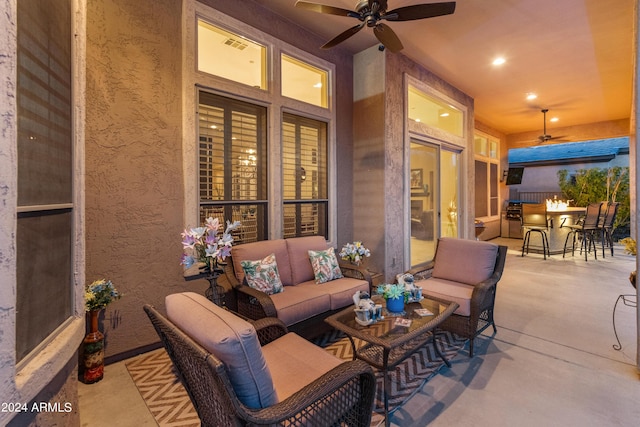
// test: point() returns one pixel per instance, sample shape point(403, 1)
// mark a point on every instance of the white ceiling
point(577, 55)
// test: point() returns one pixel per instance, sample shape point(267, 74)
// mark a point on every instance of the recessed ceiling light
point(444, 115)
point(531, 96)
point(499, 61)
point(317, 85)
point(213, 127)
point(554, 119)
point(417, 120)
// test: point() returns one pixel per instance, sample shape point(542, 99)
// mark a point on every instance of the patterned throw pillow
point(263, 275)
point(325, 265)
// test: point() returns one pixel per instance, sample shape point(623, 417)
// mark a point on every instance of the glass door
point(424, 205)
point(450, 196)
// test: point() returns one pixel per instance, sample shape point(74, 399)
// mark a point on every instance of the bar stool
point(534, 219)
point(606, 227)
point(586, 230)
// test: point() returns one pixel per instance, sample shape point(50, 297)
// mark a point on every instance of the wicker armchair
point(477, 308)
point(343, 396)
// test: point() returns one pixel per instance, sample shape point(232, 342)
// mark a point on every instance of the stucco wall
point(133, 160)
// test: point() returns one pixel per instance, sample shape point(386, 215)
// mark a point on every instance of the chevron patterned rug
point(169, 403)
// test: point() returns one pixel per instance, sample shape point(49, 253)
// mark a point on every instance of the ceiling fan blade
point(420, 11)
point(388, 38)
point(321, 8)
point(342, 36)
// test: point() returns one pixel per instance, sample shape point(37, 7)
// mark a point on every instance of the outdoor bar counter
point(559, 220)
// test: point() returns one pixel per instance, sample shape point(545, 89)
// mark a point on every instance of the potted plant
point(630, 247)
point(396, 295)
point(354, 252)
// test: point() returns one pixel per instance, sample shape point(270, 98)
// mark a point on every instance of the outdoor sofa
point(302, 302)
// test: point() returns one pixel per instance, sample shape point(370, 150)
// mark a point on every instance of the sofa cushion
point(464, 261)
point(340, 291)
point(298, 303)
point(263, 274)
point(292, 370)
point(259, 250)
point(325, 265)
point(450, 291)
point(298, 249)
point(231, 339)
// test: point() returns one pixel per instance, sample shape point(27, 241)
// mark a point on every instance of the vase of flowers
point(396, 295)
point(98, 295)
point(209, 246)
point(354, 252)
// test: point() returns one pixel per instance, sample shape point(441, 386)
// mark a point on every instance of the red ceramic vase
point(93, 353)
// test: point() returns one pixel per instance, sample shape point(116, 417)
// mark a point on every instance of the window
point(434, 113)
point(264, 156)
point(487, 176)
point(45, 173)
point(304, 82)
point(244, 60)
point(232, 164)
point(304, 167)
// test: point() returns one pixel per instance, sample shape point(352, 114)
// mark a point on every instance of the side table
point(219, 291)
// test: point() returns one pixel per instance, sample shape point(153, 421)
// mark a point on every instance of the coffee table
point(385, 343)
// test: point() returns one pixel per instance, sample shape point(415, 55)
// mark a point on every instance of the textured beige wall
point(369, 158)
point(133, 160)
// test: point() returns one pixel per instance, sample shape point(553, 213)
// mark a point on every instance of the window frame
point(276, 104)
point(489, 161)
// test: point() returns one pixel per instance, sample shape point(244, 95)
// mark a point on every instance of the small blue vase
point(395, 305)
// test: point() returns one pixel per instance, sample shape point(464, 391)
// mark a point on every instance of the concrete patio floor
point(550, 364)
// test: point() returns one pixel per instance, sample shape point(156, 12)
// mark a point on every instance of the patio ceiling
point(576, 55)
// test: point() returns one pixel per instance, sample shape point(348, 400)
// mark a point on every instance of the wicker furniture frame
point(344, 396)
point(387, 344)
point(482, 301)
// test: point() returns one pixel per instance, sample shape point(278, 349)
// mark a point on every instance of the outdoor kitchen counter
point(559, 220)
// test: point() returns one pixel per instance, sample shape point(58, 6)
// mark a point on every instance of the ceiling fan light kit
point(371, 12)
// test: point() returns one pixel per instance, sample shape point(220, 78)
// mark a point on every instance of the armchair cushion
point(464, 261)
point(292, 370)
point(234, 341)
point(325, 265)
point(259, 250)
point(450, 291)
point(263, 274)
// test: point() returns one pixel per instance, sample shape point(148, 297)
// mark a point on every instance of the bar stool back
point(534, 219)
point(606, 228)
point(586, 231)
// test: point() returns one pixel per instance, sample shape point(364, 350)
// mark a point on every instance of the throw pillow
point(325, 265)
point(263, 275)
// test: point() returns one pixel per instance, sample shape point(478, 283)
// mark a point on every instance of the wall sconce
point(504, 174)
point(303, 174)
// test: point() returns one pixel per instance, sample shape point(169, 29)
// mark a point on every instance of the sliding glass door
point(424, 201)
point(449, 191)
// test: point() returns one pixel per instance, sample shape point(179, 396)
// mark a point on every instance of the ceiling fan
point(370, 12)
point(546, 137)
